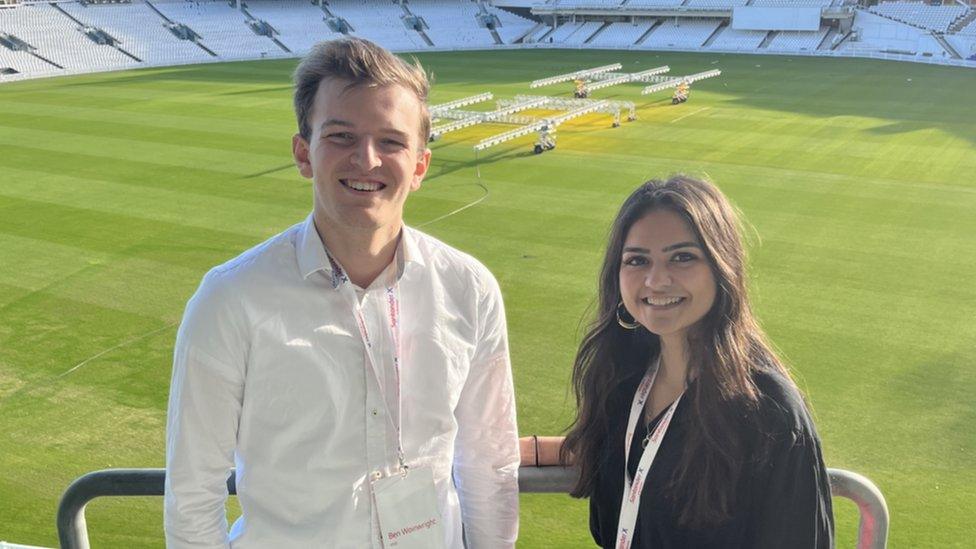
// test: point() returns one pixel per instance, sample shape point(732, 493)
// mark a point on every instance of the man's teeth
point(661, 301)
point(363, 185)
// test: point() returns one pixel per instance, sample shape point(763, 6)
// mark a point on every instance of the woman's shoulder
point(781, 407)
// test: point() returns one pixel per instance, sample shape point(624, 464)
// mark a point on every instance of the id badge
point(406, 504)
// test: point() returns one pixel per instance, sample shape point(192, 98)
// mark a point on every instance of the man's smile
point(362, 185)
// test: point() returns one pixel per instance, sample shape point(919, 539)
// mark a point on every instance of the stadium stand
point(584, 33)
point(379, 21)
point(222, 29)
point(512, 27)
point(790, 3)
point(797, 40)
point(620, 35)
point(681, 34)
point(715, 4)
point(937, 18)
point(141, 31)
point(39, 38)
point(453, 25)
point(738, 40)
point(57, 38)
point(653, 3)
point(563, 32)
point(299, 23)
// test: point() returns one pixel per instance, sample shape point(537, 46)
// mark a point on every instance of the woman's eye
point(683, 257)
point(635, 260)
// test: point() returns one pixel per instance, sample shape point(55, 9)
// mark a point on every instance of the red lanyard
point(630, 500)
point(339, 278)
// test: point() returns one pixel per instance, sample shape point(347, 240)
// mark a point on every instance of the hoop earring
point(626, 324)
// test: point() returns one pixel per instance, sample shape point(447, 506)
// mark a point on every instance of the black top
point(783, 499)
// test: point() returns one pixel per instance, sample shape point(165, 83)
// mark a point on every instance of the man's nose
point(366, 156)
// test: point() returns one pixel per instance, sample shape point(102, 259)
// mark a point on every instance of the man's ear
point(299, 150)
point(423, 162)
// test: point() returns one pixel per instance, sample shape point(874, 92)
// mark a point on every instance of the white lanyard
point(630, 500)
point(393, 304)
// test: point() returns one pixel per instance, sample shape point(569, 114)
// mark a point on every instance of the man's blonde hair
point(362, 63)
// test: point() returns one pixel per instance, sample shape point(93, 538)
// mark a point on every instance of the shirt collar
point(313, 255)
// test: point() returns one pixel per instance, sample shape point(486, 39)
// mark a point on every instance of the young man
point(355, 371)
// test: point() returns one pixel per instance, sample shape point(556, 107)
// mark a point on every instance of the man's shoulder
point(275, 258)
point(448, 260)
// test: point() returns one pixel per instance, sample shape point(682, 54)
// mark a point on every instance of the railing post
point(872, 531)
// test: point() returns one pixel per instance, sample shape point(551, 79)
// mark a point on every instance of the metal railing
point(73, 531)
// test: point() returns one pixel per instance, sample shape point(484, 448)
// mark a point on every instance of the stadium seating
point(937, 18)
point(797, 40)
point(221, 28)
point(790, 3)
point(140, 32)
point(585, 31)
point(452, 25)
point(24, 63)
point(564, 31)
point(681, 33)
point(57, 32)
point(380, 21)
point(738, 40)
point(512, 26)
point(715, 4)
point(620, 35)
point(299, 23)
point(57, 38)
point(654, 3)
point(970, 28)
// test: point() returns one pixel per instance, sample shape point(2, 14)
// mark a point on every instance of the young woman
point(689, 431)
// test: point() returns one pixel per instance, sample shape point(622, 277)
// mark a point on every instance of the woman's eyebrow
point(680, 245)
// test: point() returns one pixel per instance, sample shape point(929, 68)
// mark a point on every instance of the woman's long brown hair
point(725, 347)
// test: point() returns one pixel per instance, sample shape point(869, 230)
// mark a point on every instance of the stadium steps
point(769, 38)
point(423, 35)
point(274, 31)
point(718, 31)
point(597, 32)
point(45, 59)
point(170, 21)
point(14, 43)
point(497, 37)
point(654, 25)
point(159, 13)
point(837, 42)
point(946, 45)
point(533, 30)
point(828, 39)
point(123, 52)
point(66, 14)
point(114, 44)
point(963, 21)
point(897, 20)
point(546, 35)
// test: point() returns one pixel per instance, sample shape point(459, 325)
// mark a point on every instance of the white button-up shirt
point(270, 375)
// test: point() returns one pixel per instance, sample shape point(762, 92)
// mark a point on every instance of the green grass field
point(118, 192)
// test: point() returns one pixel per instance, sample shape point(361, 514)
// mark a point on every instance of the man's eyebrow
point(335, 122)
point(346, 124)
point(393, 131)
point(681, 245)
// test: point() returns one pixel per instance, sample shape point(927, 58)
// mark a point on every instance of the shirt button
point(375, 412)
point(377, 475)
